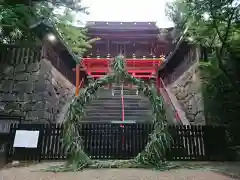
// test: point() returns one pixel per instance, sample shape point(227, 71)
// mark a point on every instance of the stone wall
point(33, 88)
point(184, 83)
point(181, 78)
point(187, 90)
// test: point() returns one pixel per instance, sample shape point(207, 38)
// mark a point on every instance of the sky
point(127, 10)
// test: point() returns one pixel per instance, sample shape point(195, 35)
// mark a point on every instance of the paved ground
point(26, 173)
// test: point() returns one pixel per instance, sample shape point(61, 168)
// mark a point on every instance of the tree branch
point(227, 30)
point(221, 66)
point(214, 37)
point(223, 39)
point(215, 22)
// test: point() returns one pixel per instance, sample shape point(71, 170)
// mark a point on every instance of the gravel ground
point(26, 173)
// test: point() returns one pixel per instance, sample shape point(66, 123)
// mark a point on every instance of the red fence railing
point(122, 99)
point(168, 100)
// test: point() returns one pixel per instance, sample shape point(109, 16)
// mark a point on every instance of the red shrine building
point(140, 43)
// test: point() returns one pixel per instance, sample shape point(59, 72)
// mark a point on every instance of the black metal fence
point(111, 141)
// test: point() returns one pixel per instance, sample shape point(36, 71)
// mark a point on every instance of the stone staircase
point(107, 106)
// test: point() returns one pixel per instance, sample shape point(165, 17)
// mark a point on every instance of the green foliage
point(221, 100)
point(14, 22)
point(211, 23)
point(215, 25)
point(75, 38)
point(16, 19)
point(176, 11)
point(214, 85)
point(71, 4)
point(155, 151)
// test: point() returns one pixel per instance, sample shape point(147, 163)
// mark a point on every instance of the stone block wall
point(187, 90)
point(33, 89)
point(184, 83)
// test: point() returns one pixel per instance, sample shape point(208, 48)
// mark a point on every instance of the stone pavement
point(26, 173)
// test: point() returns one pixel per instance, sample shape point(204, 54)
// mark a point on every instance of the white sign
point(26, 139)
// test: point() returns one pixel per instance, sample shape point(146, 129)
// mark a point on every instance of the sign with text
point(26, 139)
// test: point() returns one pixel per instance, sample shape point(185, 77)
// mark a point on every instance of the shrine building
point(140, 43)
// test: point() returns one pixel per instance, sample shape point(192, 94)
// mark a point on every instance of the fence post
point(4, 140)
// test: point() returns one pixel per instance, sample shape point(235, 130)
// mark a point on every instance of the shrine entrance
point(145, 69)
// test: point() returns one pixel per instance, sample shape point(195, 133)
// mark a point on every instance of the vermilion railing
point(123, 113)
point(80, 85)
point(139, 68)
point(168, 100)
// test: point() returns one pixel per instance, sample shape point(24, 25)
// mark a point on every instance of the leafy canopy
point(212, 24)
point(17, 16)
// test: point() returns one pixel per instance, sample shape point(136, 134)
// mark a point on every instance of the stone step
point(111, 102)
point(119, 106)
point(119, 113)
point(119, 118)
point(116, 88)
point(108, 93)
point(118, 103)
point(118, 93)
point(119, 96)
point(115, 103)
point(126, 110)
point(109, 108)
point(124, 87)
point(115, 94)
point(102, 121)
point(114, 118)
point(127, 99)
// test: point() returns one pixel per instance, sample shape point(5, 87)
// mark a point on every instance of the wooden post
point(77, 79)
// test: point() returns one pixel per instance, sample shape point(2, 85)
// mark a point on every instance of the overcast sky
point(127, 10)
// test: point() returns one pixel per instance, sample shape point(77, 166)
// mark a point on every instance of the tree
point(176, 11)
point(71, 4)
point(215, 26)
point(19, 16)
point(211, 23)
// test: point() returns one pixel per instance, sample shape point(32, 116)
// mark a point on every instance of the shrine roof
point(179, 43)
point(104, 25)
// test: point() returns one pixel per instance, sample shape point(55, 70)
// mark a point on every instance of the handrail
point(169, 101)
point(123, 113)
point(81, 83)
point(79, 86)
point(77, 79)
